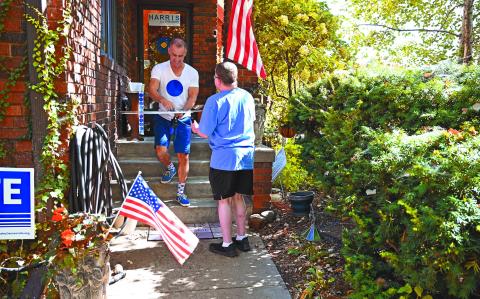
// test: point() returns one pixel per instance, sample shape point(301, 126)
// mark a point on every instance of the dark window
point(109, 28)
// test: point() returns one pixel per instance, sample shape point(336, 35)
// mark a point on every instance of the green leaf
point(405, 289)
point(418, 290)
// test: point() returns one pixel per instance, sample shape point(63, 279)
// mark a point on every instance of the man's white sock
point(226, 244)
point(240, 238)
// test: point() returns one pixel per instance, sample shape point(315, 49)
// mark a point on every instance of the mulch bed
point(293, 255)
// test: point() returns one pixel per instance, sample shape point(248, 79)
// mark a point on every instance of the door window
point(159, 28)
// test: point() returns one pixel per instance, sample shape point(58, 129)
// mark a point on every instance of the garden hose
point(90, 157)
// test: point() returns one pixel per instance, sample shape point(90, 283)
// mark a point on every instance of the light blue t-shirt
point(227, 120)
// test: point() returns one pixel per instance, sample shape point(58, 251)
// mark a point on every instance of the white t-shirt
point(173, 88)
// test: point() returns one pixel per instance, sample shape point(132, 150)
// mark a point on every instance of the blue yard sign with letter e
point(16, 203)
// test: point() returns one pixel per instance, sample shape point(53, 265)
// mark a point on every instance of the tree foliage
point(298, 41)
point(439, 23)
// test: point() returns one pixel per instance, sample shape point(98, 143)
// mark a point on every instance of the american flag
point(241, 46)
point(143, 205)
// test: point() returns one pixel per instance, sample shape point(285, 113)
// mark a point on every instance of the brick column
point(262, 178)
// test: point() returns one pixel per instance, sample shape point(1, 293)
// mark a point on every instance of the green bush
point(294, 176)
point(417, 214)
point(333, 114)
point(400, 153)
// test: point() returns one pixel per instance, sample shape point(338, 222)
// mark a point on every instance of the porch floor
point(152, 272)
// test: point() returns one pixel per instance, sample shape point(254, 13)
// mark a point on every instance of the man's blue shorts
point(164, 130)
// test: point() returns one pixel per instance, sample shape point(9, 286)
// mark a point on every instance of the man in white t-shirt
point(174, 84)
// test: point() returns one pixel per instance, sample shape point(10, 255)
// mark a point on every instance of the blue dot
point(174, 88)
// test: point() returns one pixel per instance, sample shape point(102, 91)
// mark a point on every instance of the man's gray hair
point(178, 43)
point(227, 72)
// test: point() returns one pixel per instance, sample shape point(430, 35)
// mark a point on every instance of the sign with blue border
point(17, 217)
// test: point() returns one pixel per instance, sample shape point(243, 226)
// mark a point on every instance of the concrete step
point(198, 187)
point(151, 167)
point(199, 148)
point(201, 210)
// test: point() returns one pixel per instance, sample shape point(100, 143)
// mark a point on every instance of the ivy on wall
point(50, 55)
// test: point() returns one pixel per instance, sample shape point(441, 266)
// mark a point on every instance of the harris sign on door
point(161, 19)
point(17, 220)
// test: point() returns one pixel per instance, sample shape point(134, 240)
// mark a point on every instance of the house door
point(157, 26)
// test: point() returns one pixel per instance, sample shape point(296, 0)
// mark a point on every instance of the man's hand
point(196, 130)
point(167, 104)
point(195, 127)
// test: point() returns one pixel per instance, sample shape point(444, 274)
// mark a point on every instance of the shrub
point(294, 176)
point(417, 214)
point(334, 113)
point(400, 153)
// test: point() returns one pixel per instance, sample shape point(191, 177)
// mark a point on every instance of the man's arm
point(154, 95)
point(192, 98)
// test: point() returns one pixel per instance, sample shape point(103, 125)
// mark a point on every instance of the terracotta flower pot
point(287, 132)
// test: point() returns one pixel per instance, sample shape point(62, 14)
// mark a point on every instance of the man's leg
point(220, 181)
point(162, 155)
point(183, 167)
point(162, 139)
point(181, 145)
point(240, 213)
point(225, 218)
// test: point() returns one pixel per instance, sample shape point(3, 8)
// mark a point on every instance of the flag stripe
point(241, 45)
point(139, 216)
point(176, 238)
point(180, 250)
point(246, 29)
point(143, 205)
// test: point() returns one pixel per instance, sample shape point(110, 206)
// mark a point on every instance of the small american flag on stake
point(241, 45)
point(143, 205)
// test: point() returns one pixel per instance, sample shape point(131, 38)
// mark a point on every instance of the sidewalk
point(152, 272)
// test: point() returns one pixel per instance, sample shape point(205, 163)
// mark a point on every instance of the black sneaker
point(229, 251)
point(242, 245)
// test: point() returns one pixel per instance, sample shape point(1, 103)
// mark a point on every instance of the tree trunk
point(465, 53)
point(289, 75)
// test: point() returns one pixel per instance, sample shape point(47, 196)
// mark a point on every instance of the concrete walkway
point(152, 272)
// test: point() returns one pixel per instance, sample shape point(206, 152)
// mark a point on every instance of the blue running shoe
point(183, 200)
point(168, 175)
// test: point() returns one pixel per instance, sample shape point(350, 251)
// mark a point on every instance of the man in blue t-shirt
point(227, 122)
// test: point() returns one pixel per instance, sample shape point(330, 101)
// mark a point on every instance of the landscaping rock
point(268, 215)
point(256, 222)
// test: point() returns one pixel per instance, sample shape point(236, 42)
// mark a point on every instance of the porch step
point(199, 148)
point(151, 167)
point(201, 210)
point(198, 187)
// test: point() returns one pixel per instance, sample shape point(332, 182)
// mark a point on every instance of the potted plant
point(74, 249)
point(286, 131)
point(81, 263)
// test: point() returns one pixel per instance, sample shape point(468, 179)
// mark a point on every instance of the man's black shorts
point(225, 183)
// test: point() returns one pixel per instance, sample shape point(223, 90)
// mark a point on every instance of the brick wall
point(262, 178)
point(91, 76)
point(204, 45)
point(15, 134)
